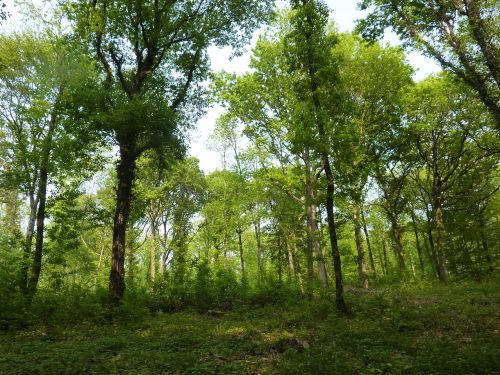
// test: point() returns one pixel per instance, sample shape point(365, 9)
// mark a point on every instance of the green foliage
point(412, 330)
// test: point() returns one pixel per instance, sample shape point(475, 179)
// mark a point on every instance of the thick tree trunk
point(370, 252)
point(396, 235)
point(125, 174)
point(313, 233)
point(363, 277)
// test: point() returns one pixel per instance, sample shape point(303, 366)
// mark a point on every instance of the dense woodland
point(344, 185)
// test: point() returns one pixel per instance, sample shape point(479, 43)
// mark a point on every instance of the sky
point(344, 14)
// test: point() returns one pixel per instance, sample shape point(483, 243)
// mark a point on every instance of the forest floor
point(418, 330)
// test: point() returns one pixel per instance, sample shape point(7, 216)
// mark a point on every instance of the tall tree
point(452, 139)
point(309, 55)
point(462, 35)
point(39, 81)
point(153, 55)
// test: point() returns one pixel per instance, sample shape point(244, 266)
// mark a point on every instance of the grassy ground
point(432, 330)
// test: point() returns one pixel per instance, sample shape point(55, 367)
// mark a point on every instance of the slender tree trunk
point(370, 252)
point(42, 199)
point(242, 259)
point(280, 267)
point(309, 222)
point(98, 271)
point(330, 190)
point(363, 277)
point(443, 272)
point(125, 174)
point(313, 230)
point(417, 241)
point(332, 230)
point(259, 251)
point(164, 253)
point(430, 238)
point(291, 254)
point(152, 256)
point(384, 252)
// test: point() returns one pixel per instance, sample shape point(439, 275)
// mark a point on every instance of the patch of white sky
point(344, 13)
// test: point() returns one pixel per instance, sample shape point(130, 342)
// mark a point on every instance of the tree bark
point(396, 235)
point(125, 174)
point(363, 277)
point(368, 244)
point(384, 252)
point(42, 199)
point(152, 256)
point(312, 67)
point(242, 259)
point(309, 222)
point(291, 247)
point(443, 272)
point(417, 241)
point(259, 251)
point(28, 242)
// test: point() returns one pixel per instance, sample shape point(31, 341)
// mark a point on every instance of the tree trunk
point(242, 259)
point(384, 252)
point(363, 277)
point(152, 256)
point(165, 252)
point(313, 233)
point(259, 251)
point(309, 220)
point(42, 199)
point(443, 272)
point(330, 190)
point(370, 252)
point(430, 238)
point(125, 174)
point(98, 271)
point(28, 242)
point(417, 242)
point(332, 231)
point(292, 246)
point(396, 235)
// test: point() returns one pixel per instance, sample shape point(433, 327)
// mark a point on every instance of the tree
point(309, 54)
point(370, 111)
point(462, 35)
point(452, 139)
point(153, 55)
point(40, 80)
